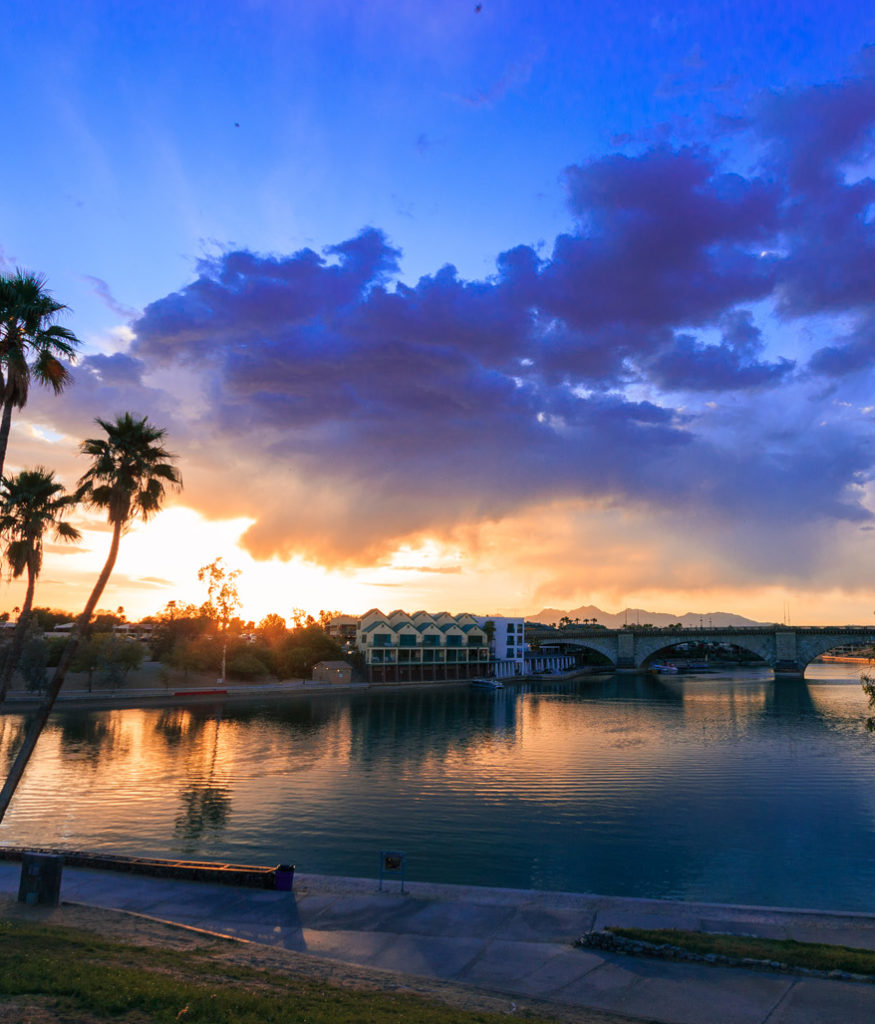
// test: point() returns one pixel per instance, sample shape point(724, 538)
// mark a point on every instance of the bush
point(33, 662)
point(244, 665)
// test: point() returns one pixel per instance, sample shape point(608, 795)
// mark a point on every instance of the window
point(382, 639)
point(431, 640)
point(454, 641)
point(407, 640)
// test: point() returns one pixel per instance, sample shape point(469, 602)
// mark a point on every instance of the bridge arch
point(648, 647)
point(607, 647)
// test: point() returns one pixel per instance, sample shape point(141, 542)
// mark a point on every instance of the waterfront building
point(422, 647)
point(402, 647)
point(508, 646)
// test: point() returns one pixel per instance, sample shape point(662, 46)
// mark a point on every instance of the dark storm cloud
point(403, 408)
point(665, 239)
point(689, 365)
point(819, 139)
point(851, 353)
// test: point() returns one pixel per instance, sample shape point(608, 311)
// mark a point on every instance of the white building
point(507, 646)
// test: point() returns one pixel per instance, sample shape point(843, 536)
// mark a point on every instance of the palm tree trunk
point(5, 421)
point(14, 651)
point(42, 716)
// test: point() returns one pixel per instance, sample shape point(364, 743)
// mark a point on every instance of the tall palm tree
point(32, 345)
point(31, 504)
point(129, 474)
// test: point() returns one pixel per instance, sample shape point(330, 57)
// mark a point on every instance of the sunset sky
point(487, 310)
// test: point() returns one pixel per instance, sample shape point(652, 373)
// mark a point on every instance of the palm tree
point(31, 504)
point(129, 474)
point(31, 345)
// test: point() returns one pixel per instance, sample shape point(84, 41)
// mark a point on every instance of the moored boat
point(487, 683)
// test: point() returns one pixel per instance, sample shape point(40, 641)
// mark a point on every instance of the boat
point(487, 683)
point(664, 668)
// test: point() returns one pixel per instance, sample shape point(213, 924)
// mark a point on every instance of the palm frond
point(130, 470)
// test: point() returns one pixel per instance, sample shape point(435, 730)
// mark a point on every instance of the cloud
point(346, 411)
point(101, 290)
point(816, 138)
point(156, 581)
point(689, 365)
point(440, 569)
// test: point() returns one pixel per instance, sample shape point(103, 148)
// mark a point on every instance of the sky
point(454, 306)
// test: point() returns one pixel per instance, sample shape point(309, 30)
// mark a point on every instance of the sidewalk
point(166, 696)
point(513, 942)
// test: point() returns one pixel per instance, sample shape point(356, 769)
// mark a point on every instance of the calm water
point(727, 788)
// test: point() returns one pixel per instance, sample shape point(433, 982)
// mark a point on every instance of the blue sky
point(490, 309)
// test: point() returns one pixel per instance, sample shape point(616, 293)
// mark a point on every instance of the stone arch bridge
point(787, 650)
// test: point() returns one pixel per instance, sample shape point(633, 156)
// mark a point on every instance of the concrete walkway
point(512, 942)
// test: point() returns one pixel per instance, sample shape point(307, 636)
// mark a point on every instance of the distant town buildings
point(342, 628)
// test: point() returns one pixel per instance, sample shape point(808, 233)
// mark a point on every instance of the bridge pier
point(625, 653)
point(788, 670)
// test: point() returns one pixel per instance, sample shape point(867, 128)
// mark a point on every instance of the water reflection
point(205, 808)
point(734, 787)
point(790, 699)
point(429, 724)
point(181, 726)
point(86, 737)
point(12, 730)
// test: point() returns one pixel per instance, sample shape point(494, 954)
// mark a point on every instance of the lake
point(728, 788)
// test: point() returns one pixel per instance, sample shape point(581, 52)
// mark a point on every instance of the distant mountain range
point(638, 616)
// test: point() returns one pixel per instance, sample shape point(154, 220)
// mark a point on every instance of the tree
point(301, 618)
point(222, 598)
point(129, 474)
point(119, 655)
point(31, 345)
point(272, 629)
point(326, 617)
point(31, 504)
point(34, 661)
point(178, 624)
point(868, 683)
point(87, 657)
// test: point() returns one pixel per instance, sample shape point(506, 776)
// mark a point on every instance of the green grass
point(80, 973)
point(813, 955)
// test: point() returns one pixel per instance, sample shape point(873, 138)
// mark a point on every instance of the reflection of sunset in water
point(735, 789)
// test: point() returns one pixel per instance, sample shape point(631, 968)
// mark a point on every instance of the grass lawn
point(51, 974)
point(813, 955)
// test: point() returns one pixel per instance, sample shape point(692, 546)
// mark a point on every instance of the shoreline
point(234, 693)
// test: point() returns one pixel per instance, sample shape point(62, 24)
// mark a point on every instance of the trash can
point(40, 878)
point(285, 876)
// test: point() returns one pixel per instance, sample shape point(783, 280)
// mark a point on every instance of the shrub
point(244, 665)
